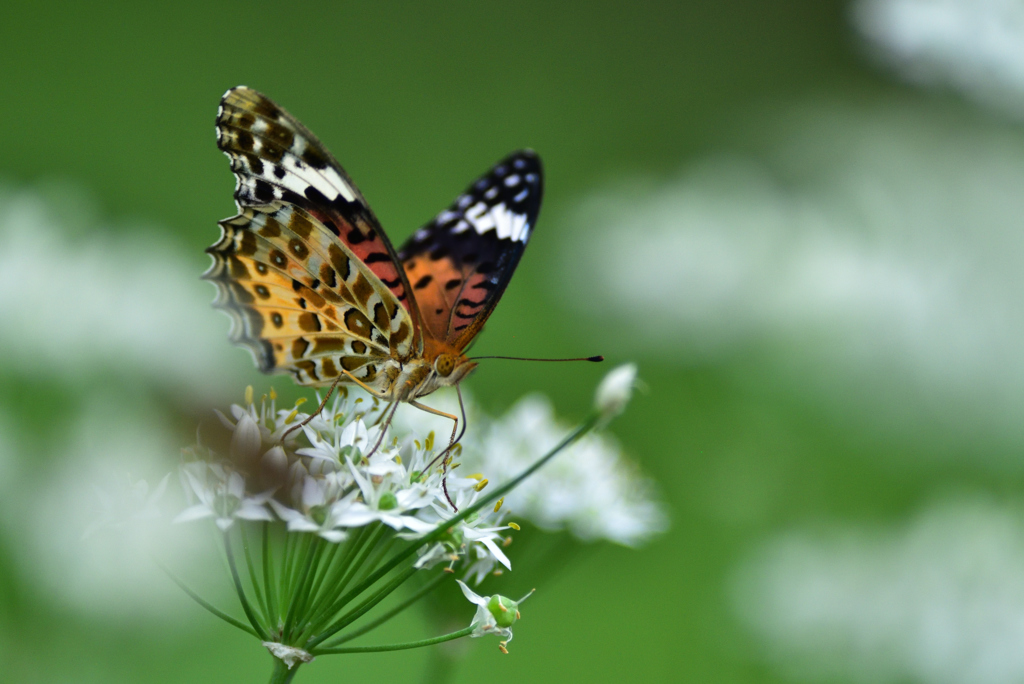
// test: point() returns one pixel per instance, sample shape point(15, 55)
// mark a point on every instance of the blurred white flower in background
point(591, 489)
point(937, 600)
point(877, 251)
point(975, 46)
point(83, 301)
point(52, 517)
point(74, 306)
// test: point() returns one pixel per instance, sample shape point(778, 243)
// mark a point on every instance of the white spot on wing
point(508, 224)
point(446, 216)
point(337, 182)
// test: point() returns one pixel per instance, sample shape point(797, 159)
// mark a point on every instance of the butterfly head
point(449, 369)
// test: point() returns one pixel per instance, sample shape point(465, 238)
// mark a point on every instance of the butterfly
point(315, 287)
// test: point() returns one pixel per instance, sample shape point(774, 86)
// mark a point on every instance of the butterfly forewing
point(459, 264)
point(304, 269)
point(276, 159)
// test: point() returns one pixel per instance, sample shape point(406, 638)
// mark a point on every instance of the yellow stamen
point(497, 505)
point(300, 401)
point(479, 487)
point(514, 526)
point(291, 416)
point(248, 394)
point(273, 394)
point(476, 476)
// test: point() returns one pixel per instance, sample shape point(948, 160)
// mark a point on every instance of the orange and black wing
point(304, 269)
point(277, 159)
point(459, 264)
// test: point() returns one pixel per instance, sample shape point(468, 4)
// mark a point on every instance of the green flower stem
point(371, 601)
point(398, 647)
point(282, 674)
point(420, 593)
point(300, 595)
point(253, 579)
point(297, 560)
point(241, 592)
point(286, 559)
point(321, 572)
point(339, 575)
point(329, 610)
point(374, 560)
point(268, 577)
point(443, 527)
point(198, 599)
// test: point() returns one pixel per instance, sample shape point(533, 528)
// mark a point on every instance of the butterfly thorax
point(422, 376)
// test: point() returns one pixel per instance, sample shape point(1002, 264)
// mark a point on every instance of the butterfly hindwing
point(276, 159)
point(459, 264)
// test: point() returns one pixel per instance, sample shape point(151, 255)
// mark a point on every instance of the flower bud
point(245, 442)
point(274, 466)
point(504, 610)
point(615, 391)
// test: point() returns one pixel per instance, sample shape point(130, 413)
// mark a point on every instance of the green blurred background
point(777, 408)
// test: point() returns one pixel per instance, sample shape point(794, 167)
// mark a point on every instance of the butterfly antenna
point(595, 359)
point(316, 413)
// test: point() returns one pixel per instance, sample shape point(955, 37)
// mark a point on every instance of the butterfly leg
point(384, 428)
point(443, 454)
point(315, 413)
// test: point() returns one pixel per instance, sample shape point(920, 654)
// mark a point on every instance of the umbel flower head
point(324, 515)
point(332, 477)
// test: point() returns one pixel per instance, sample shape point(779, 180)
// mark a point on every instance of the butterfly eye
point(444, 365)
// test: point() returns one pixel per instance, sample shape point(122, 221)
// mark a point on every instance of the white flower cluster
point(591, 490)
point(335, 474)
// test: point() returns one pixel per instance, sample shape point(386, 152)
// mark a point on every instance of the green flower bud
point(387, 501)
point(504, 610)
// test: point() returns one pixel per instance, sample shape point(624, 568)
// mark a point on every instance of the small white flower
point(220, 494)
point(615, 391)
point(494, 614)
point(131, 504)
point(474, 537)
point(320, 510)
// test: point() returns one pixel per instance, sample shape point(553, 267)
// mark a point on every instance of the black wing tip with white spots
point(501, 206)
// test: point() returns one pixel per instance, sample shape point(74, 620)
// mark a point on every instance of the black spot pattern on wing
point(277, 159)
